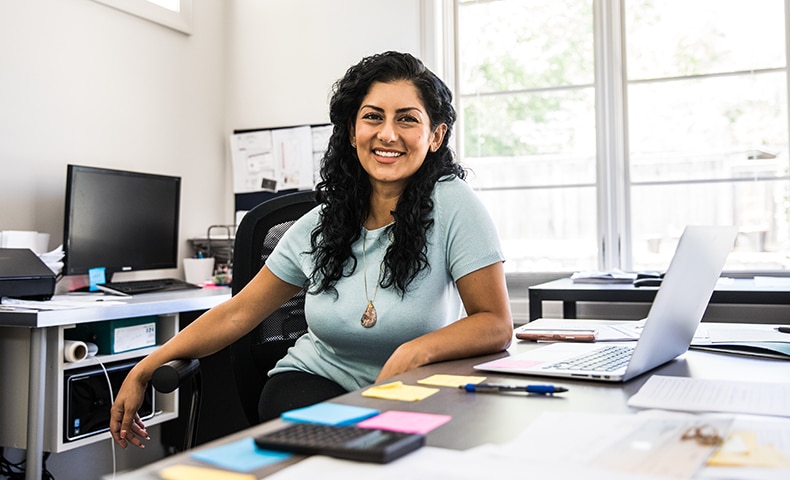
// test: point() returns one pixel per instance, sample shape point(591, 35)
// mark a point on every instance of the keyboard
point(133, 287)
point(352, 443)
point(606, 359)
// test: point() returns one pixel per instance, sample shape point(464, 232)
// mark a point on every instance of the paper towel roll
point(74, 350)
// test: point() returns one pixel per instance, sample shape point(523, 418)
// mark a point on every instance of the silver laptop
point(668, 329)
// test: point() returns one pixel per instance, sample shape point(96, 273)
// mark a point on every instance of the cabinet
point(32, 365)
point(14, 372)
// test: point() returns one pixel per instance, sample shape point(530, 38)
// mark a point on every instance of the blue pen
point(493, 388)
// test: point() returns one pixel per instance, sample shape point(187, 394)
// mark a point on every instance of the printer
point(24, 275)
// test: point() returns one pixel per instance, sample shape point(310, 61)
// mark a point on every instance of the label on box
point(134, 337)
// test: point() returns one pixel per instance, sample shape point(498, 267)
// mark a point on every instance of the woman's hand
point(125, 424)
point(403, 359)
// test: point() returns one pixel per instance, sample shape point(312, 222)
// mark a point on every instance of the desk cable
point(112, 401)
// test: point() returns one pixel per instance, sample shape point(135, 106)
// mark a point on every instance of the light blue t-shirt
point(336, 346)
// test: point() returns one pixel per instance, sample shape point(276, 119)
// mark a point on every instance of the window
point(175, 14)
point(596, 130)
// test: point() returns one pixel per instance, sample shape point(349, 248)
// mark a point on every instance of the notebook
point(673, 318)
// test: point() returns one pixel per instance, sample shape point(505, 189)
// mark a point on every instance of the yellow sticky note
point(443, 380)
point(189, 472)
point(399, 391)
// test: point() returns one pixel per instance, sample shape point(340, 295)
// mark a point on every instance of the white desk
point(45, 369)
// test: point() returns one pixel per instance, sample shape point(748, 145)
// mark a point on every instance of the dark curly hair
point(344, 190)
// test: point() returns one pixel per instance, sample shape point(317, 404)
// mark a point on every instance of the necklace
point(370, 317)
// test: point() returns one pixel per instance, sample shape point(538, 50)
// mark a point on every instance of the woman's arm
point(211, 332)
point(487, 328)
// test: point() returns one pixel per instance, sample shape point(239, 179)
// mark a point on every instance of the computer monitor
point(120, 220)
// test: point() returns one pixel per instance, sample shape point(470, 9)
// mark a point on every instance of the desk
point(45, 369)
point(489, 418)
point(732, 291)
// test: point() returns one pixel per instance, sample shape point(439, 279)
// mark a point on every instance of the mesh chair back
point(257, 352)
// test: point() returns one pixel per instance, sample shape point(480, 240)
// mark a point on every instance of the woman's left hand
point(403, 359)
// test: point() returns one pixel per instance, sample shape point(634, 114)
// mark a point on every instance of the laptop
point(673, 318)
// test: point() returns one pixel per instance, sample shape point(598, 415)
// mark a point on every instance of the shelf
point(15, 343)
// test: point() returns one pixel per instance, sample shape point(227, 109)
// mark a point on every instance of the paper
point(327, 413)
point(240, 456)
point(59, 302)
point(611, 276)
point(701, 395)
point(399, 391)
point(744, 449)
point(189, 472)
point(408, 422)
point(648, 443)
point(724, 333)
point(455, 381)
point(277, 159)
point(756, 448)
point(443, 464)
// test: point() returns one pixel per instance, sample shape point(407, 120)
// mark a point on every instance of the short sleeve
point(470, 236)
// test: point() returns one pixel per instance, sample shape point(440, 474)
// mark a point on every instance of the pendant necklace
point(370, 317)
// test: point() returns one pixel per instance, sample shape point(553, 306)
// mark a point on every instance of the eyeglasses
point(705, 435)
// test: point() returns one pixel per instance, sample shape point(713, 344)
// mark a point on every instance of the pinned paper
point(407, 422)
point(241, 456)
point(399, 391)
point(327, 413)
point(455, 381)
point(189, 472)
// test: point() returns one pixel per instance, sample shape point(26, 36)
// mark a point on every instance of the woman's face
point(393, 133)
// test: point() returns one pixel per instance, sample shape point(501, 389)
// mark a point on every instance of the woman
point(400, 259)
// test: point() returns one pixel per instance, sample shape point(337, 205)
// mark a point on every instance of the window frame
point(180, 21)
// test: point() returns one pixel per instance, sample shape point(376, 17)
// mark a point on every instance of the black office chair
point(255, 354)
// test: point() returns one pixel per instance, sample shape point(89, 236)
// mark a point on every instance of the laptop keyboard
point(605, 359)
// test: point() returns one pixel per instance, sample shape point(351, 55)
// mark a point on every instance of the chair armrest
point(173, 374)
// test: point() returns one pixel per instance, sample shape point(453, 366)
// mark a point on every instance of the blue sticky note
point(327, 413)
point(96, 275)
point(240, 456)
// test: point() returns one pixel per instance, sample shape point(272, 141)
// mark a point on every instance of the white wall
point(87, 84)
point(285, 54)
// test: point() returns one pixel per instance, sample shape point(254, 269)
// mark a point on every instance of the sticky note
point(327, 413)
point(95, 276)
point(189, 472)
point(399, 391)
point(241, 456)
point(408, 422)
point(455, 381)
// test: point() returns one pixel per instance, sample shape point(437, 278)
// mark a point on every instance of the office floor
point(95, 460)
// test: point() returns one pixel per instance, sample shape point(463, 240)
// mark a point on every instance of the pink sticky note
point(513, 363)
point(408, 422)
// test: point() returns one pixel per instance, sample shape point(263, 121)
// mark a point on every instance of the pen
point(493, 388)
point(783, 329)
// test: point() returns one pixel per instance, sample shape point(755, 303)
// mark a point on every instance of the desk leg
point(535, 305)
point(569, 309)
point(35, 405)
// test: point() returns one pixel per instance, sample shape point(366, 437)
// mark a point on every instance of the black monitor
point(120, 220)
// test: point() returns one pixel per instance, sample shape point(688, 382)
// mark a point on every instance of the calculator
point(352, 443)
